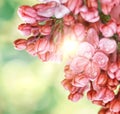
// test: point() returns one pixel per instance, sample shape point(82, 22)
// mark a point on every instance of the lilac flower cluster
point(95, 26)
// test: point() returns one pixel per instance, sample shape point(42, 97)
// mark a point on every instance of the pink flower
point(46, 50)
point(68, 72)
point(43, 45)
point(92, 3)
point(63, 1)
point(25, 29)
point(113, 67)
point(115, 13)
point(31, 42)
point(45, 1)
point(89, 14)
point(79, 31)
point(44, 57)
point(59, 1)
point(55, 57)
point(92, 37)
point(98, 102)
point(72, 4)
point(20, 44)
point(78, 94)
point(68, 19)
point(115, 105)
point(111, 75)
point(28, 29)
point(92, 71)
point(68, 86)
point(108, 96)
point(80, 80)
point(108, 29)
point(52, 9)
point(75, 97)
point(27, 14)
point(35, 30)
point(102, 79)
point(107, 45)
point(106, 1)
point(112, 83)
point(91, 94)
point(106, 7)
point(78, 64)
point(61, 11)
point(105, 95)
point(31, 39)
point(86, 50)
point(78, 6)
point(46, 10)
point(95, 65)
point(45, 30)
point(50, 56)
point(101, 60)
point(103, 111)
point(31, 49)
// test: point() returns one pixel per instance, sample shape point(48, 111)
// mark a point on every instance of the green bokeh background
point(28, 86)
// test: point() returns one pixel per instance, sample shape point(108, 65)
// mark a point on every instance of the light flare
point(69, 47)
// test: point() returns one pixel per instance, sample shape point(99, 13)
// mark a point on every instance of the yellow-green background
point(28, 86)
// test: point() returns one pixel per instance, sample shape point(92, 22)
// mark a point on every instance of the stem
point(57, 27)
point(104, 18)
point(99, 6)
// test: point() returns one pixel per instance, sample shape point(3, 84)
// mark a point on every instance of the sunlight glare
point(69, 47)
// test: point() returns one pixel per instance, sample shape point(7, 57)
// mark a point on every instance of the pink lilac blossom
point(68, 20)
point(94, 68)
point(115, 13)
point(107, 45)
point(79, 31)
point(89, 14)
point(89, 38)
point(108, 29)
point(27, 14)
point(101, 60)
point(20, 44)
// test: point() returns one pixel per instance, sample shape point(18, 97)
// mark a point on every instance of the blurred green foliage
point(7, 10)
point(28, 86)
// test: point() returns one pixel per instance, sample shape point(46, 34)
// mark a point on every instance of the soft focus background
point(28, 86)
